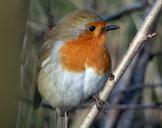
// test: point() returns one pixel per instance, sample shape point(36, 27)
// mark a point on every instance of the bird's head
point(83, 34)
point(85, 24)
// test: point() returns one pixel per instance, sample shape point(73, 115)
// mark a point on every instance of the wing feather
point(43, 55)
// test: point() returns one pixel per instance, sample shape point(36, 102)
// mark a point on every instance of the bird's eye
point(92, 28)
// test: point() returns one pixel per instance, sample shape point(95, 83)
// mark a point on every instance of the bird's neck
point(78, 54)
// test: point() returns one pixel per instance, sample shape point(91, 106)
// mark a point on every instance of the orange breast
point(77, 54)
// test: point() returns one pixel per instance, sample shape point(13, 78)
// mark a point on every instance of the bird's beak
point(111, 27)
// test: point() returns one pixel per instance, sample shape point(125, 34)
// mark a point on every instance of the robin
point(74, 63)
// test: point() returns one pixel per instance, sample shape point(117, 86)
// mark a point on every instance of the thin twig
point(133, 106)
point(138, 87)
point(158, 53)
point(128, 57)
point(127, 10)
point(50, 16)
point(151, 35)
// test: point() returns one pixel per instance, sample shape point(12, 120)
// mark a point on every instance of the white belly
point(64, 89)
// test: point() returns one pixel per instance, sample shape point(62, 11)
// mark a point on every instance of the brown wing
point(43, 54)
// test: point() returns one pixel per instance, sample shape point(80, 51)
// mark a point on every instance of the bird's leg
point(111, 76)
point(66, 120)
point(99, 103)
point(58, 119)
point(62, 119)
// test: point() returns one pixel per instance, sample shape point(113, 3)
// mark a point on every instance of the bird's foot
point(99, 103)
point(111, 76)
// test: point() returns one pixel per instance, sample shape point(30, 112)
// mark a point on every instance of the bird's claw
point(99, 103)
point(111, 76)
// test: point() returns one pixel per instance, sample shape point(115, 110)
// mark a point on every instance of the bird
point(74, 63)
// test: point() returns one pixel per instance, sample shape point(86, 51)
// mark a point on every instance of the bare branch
point(138, 87)
point(128, 57)
point(127, 10)
point(151, 35)
point(159, 53)
point(50, 16)
point(134, 106)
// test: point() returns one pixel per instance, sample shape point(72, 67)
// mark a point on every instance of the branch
point(134, 106)
point(138, 87)
point(127, 10)
point(156, 54)
point(151, 35)
point(128, 57)
point(51, 23)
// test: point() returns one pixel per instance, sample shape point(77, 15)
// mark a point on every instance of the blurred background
point(136, 102)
